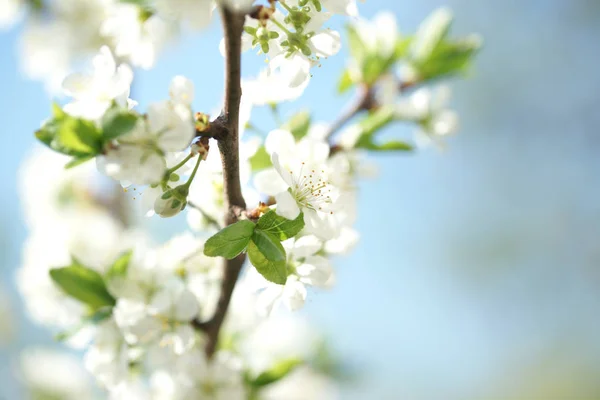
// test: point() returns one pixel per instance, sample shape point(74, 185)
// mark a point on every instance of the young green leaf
point(75, 161)
point(269, 245)
point(119, 268)
point(299, 124)
point(79, 136)
point(57, 111)
point(430, 34)
point(392, 145)
point(83, 284)
point(449, 58)
point(279, 371)
point(345, 82)
point(358, 49)
point(117, 122)
point(273, 271)
point(230, 241)
point(260, 160)
point(281, 227)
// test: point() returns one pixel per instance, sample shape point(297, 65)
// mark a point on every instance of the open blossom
point(192, 376)
point(428, 108)
point(137, 37)
point(139, 156)
point(380, 34)
point(48, 373)
point(295, 49)
point(196, 13)
point(308, 190)
point(9, 12)
point(107, 357)
point(325, 196)
point(93, 93)
point(299, 181)
point(307, 268)
point(273, 86)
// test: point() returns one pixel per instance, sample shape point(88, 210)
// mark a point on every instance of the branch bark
point(363, 101)
point(228, 141)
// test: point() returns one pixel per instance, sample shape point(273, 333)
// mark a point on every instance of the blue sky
point(472, 262)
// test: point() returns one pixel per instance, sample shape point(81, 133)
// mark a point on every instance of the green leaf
point(432, 31)
point(230, 241)
point(71, 136)
point(358, 49)
point(46, 133)
point(83, 284)
point(117, 122)
point(57, 111)
point(373, 67)
point(373, 122)
point(269, 245)
point(78, 161)
point(119, 267)
point(79, 136)
point(402, 46)
point(260, 160)
point(299, 124)
point(449, 58)
point(279, 226)
point(345, 82)
point(279, 371)
point(392, 145)
point(273, 271)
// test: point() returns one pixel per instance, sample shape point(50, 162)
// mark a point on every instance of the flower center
point(310, 189)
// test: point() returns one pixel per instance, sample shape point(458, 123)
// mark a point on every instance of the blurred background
point(476, 276)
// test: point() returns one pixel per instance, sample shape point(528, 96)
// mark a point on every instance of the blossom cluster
point(138, 308)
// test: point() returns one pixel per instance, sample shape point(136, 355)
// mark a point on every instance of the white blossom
point(139, 156)
point(196, 13)
point(93, 93)
point(107, 357)
point(52, 374)
point(307, 268)
point(380, 34)
point(428, 107)
point(137, 37)
point(9, 12)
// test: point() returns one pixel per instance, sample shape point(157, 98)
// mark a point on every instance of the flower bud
point(171, 202)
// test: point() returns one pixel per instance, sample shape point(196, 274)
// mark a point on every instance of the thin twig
point(233, 24)
point(363, 101)
point(209, 219)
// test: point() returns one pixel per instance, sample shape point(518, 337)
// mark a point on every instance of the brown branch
point(363, 101)
point(228, 141)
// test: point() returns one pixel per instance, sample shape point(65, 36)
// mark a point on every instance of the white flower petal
point(269, 182)
point(307, 246)
point(181, 90)
point(326, 44)
point(280, 141)
point(294, 294)
point(186, 307)
point(286, 205)
point(315, 270)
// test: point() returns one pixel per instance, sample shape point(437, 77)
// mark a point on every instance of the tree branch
point(363, 101)
point(228, 141)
